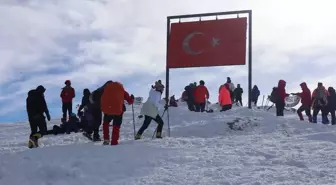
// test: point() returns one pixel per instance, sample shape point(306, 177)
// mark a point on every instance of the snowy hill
point(202, 150)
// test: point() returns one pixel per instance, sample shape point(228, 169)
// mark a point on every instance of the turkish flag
point(207, 43)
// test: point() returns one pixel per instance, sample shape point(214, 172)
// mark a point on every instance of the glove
point(166, 107)
point(140, 116)
point(132, 96)
point(48, 116)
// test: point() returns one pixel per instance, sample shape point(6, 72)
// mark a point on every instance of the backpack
point(274, 95)
point(112, 99)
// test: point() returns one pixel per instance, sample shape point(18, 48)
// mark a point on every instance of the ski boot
point(106, 142)
point(158, 135)
point(33, 141)
point(314, 120)
point(96, 137)
point(137, 137)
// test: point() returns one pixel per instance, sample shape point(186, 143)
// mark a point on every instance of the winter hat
point(319, 84)
point(202, 82)
point(41, 89)
point(67, 82)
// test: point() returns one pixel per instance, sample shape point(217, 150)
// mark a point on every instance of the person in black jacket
point(238, 92)
point(191, 99)
point(96, 110)
point(331, 107)
point(36, 107)
point(87, 115)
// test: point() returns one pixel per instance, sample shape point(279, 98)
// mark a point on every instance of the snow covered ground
point(202, 150)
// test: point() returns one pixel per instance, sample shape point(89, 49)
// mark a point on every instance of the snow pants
point(66, 107)
point(324, 112)
point(117, 121)
point(191, 104)
point(148, 120)
point(226, 107)
point(239, 99)
point(38, 122)
point(96, 122)
point(280, 107)
point(255, 102)
point(200, 107)
point(333, 117)
point(305, 108)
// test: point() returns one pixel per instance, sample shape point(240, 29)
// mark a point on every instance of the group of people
point(321, 99)
point(197, 96)
point(103, 105)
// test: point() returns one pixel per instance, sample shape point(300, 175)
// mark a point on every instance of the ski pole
point(156, 127)
point(133, 120)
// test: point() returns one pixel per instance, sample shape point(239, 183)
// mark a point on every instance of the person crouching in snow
point(320, 102)
point(72, 124)
point(305, 96)
point(112, 105)
point(67, 94)
point(224, 98)
point(201, 95)
point(151, 111)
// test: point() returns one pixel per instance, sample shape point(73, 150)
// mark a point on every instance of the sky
point(92, 41)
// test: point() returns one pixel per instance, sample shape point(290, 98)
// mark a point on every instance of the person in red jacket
point(67, 94)
point(112, 105)
point(280, 103)
point(306, 101)
point(201, 94)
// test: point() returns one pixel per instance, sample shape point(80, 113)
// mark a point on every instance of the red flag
point(207, 43)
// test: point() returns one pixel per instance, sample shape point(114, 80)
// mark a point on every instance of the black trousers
point(117, 120)
point(226, 107)
point(304, 108)
point(232, 96)
point(148, 120)
point(199, 107)
point(239, 99)
point(333, 116)
point(255, 102)
point(96, 121)
point(38, 124)
point(67, 107)
point(280, 107)
point(191, 105)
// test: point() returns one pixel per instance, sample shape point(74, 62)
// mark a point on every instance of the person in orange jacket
point(67, 94)
point(112, 105)
point(201, 94)
point(224, 98)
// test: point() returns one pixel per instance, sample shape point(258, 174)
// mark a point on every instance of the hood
point(255, 87)
point(331, 91)
point(282, 84)
point(304, 85)
point(86, 92)
point(40, 89)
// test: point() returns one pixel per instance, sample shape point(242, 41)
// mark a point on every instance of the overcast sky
point(92, 41)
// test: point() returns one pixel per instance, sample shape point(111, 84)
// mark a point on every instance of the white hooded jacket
point(152, 105)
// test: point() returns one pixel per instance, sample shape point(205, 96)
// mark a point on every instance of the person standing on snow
point(231, 88)
point(255, 95)
point(331, 107)
point(320, 102)
point(97, 115)
point(36, 106)
point(67, 94)
point(112, 105)
point(201, 95)
point(87, 115)
point(224, 98)
point(238, 92)
point(306, 101)
point(281, 95)
point(191, 99)
point(151, 111)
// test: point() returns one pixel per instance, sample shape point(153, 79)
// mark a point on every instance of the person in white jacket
point(150, 110)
